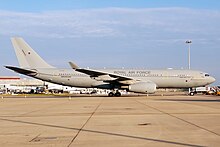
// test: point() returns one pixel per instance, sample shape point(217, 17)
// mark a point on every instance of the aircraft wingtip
point(73, 65)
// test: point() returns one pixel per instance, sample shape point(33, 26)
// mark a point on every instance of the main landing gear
point(117, 94)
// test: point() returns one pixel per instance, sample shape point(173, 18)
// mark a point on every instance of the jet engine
point(143, 87)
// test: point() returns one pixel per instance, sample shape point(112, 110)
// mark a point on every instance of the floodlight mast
point(189, 42)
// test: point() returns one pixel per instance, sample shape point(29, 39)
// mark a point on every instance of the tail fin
point(26, 56)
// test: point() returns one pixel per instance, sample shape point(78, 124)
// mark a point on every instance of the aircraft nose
point(212, 79)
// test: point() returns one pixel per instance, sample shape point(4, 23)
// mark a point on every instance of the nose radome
point(212, 79)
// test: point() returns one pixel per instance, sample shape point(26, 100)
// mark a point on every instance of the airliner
point(132, 80)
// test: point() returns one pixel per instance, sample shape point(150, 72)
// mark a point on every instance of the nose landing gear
point(192, 92)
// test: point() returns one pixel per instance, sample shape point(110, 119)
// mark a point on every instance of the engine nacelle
point(143, 87)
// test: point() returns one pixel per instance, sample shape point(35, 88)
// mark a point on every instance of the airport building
point(18, 85)
point(8, 79)
point(13, 84)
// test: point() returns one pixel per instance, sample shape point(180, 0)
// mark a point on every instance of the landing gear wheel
point(191, 93)
point(110, 94)
point(117, 94)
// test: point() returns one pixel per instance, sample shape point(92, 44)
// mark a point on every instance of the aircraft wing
point(104, 76)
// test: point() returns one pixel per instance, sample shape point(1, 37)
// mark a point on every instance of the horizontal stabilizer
point(22, 71)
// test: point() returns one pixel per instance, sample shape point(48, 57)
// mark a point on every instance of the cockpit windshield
point(206, 75)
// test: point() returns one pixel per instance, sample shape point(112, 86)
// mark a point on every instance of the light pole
point(189, 42)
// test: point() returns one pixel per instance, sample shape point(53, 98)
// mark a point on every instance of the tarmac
point(142, 121)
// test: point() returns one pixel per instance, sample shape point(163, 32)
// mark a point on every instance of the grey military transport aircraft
point(138, 81)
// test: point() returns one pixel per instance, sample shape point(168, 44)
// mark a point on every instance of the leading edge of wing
point(96, 73)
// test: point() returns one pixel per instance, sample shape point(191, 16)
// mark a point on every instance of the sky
point(147, 34)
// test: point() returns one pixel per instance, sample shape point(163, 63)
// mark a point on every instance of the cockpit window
point(206, 75)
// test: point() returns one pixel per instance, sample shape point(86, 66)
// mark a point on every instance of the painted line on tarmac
point(81, 129)
point(178, 118)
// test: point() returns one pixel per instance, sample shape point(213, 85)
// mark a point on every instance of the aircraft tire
point(110, 94)
point(117, 94)
point(191, 93)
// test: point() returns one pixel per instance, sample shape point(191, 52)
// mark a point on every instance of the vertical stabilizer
point(27, 57)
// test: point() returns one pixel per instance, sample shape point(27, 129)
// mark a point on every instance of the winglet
point(73, 65)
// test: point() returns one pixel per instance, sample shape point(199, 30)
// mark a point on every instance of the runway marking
point(102, 132)
point(186, 101)
point(199, 105)
point(178, 118)
point(81, 129)
point(25, 114)
point(102, 114)
point(106, 133)
point(35, 138)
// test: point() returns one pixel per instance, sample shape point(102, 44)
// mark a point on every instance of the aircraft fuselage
point(162, 78)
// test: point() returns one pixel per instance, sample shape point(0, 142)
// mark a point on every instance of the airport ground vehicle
point(217, 92)
point(214, 91)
